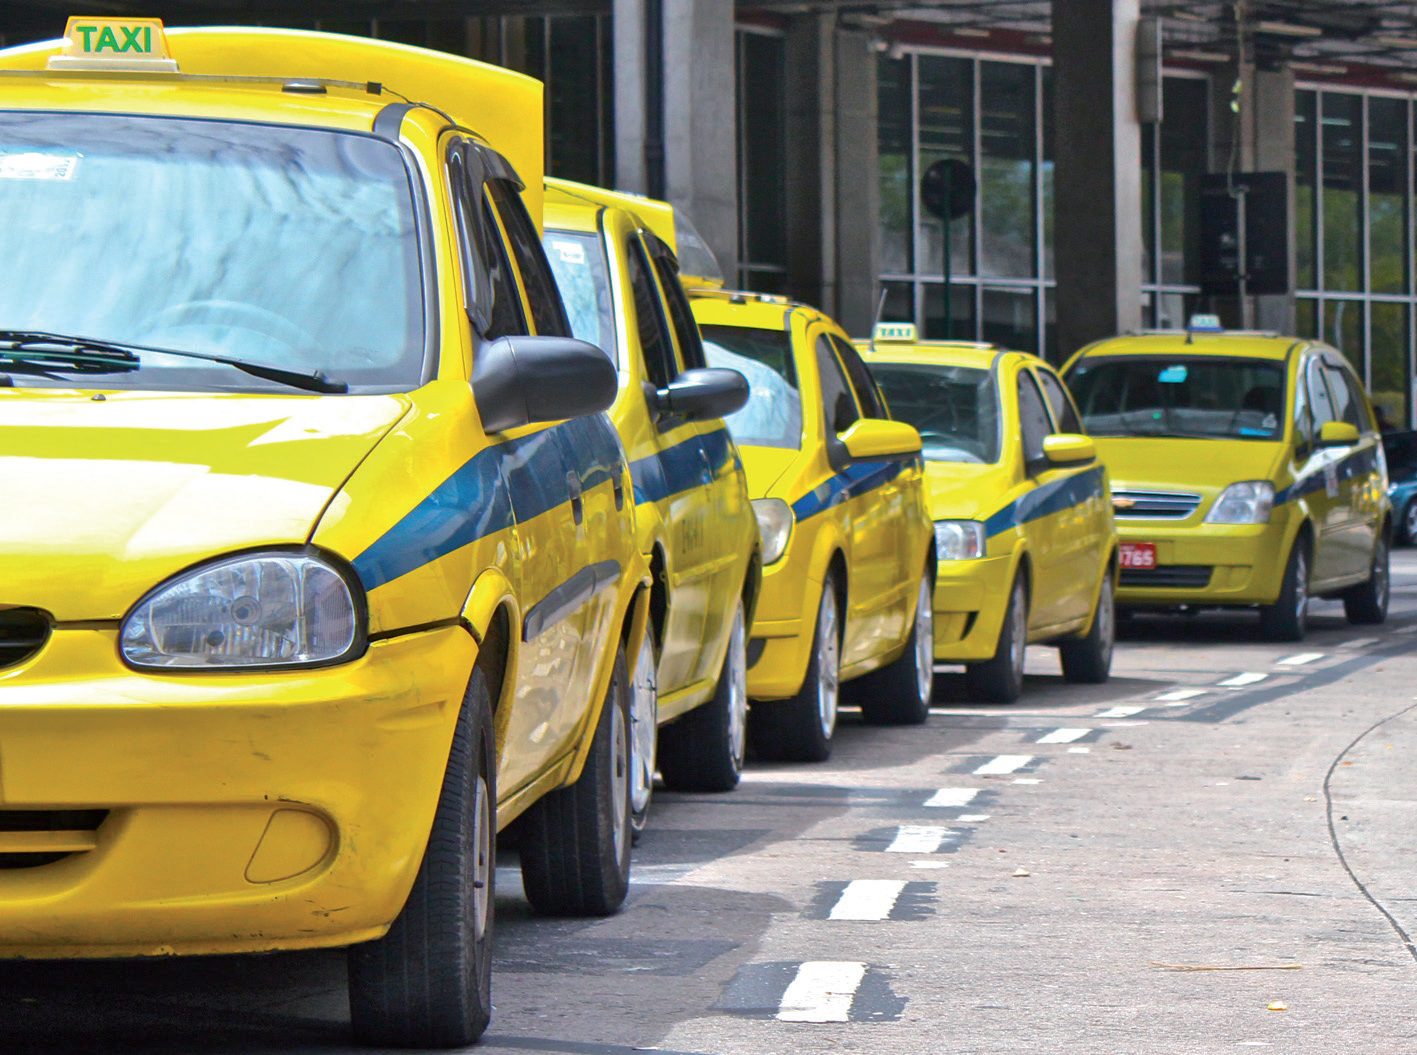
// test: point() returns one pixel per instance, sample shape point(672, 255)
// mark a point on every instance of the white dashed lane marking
point(948, 797)
point(1239, 681)
point(822, 991)
point(1300, 659)
point(1003, 765)
point(1027, 780)
point(917, 839)
point(867, 899)
point(1362, 642)
point(1177, 696)
point(1079, 750)
point(1062, 736)
point(973, 818)
point(1120, 712)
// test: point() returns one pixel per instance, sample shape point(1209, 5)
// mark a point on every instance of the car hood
point(764, 467)
point(1201, 466)
point(106, 497)
point(963, 490)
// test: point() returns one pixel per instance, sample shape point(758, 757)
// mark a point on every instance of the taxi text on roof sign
point(895, 331)
point(126, 44)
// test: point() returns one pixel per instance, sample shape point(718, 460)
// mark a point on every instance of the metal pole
point(1243, 263)
point(949, 262)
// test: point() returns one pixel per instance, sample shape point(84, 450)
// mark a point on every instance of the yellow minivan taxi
point(1246, 470)
point(695, 524)
point(1023, 521)
point(848, 547)
point(318, 560)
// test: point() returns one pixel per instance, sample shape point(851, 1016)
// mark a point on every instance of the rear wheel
point(1366, 604)
point(1288, 618)
point(1000, 679)
point(800, 729)
point(1088, 660)
point(899, 694)
point(575, 842)
point(644, 726)
point(427, 983)
point(703, 751)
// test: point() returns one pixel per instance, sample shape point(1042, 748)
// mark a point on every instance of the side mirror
point(878, 438)
point(523, 380)
point(707, 392)
point(1069, 448)
point(1337, 434)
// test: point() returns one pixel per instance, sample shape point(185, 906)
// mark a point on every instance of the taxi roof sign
point(130, 45)
point(1205, 324)
point(903, 332)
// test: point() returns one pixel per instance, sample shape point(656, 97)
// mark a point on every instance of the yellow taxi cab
point(848, 547)
point(318, 564)
point(1246, 470)
point(696, 529)
point(1023, 522)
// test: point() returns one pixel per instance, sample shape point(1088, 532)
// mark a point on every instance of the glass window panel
point(1148, 201)
point(763, 280)
point(1306, 317)
point(894, 131)
point(1343, 328)
point(1305, 176)
point(1173, 310)
point(1047, 173)
point(1010, 318)
point(1007, 130)
point(1183, 163)
point(763, 156)
point(900, 302)
point(1387, 194)
point(960, 325)
point(1051, 351)
point(1390, 388)
point(946, 128)
point(1342, 190)
point(573, 100)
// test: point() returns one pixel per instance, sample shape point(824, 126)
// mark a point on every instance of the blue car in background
point(1401, 451)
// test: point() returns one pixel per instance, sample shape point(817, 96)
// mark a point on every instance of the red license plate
point(1138, 554)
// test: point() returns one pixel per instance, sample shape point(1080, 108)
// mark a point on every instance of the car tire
point(644, 729)
point(1088, 660)
point(575, 842)
point(1409, 522)
point(427, 983)
point(800, 729)
point(1366, 604)
point(703, 751)
point(1000, 679)
point(1288, 618)
point(900, 693)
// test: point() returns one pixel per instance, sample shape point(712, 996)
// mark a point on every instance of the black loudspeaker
point(1266, 203)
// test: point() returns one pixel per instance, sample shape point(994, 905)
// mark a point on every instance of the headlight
point(257, 610)
point(775, 525)
point(959, 539)
point(1243, 503)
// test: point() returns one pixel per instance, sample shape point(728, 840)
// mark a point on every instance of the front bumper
point(971, 597)
point(240, 812)
point(1206, 564)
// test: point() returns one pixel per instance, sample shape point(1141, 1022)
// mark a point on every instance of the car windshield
point(955, 408)
point(578, 261)
point(772, 416)
point(1190, 397)
point(293, 247)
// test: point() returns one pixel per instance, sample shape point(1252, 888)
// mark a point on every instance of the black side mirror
point(708, 392)
point(522, 380)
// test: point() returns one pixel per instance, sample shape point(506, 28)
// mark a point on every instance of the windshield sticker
point(38, 166)
point(1173, 375)
point(1246, 431)
point(569, 252)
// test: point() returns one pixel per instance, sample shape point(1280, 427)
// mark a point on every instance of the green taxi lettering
point(135, 38)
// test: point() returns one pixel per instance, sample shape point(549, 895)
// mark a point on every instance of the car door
point(1319, 480)
point(1041, 526)
point(1360, 486)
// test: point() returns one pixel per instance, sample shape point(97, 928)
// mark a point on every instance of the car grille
point(23, 632)
point(30, 838)
point(1184, 576)
point(1154, 505)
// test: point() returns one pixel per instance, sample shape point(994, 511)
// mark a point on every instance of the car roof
point(737, 307)
point(1231, 343)
point(979, 354)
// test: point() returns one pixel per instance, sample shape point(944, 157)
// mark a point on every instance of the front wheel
point(1288, 618)
point(427, 983)
point(1000, 679)
point(899, 694)
point(1366, 603)
point(703, 751)
point(644, 728)
point(1088, 660)
point(800, 729)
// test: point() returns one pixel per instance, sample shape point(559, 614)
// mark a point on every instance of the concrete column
point(628, 43)
point(1097, 215)
point(858, 192)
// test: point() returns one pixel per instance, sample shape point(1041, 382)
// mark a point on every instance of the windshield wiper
point(86, 354)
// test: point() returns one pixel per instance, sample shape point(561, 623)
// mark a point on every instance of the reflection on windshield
point(1190, 397)
point(955, 408)
point(578, 263)
point(772, 416)
point(290, 246)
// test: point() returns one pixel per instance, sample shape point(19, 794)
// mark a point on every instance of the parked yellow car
point(694, 521)
point(302, 592)
point(1246, 470)
point(1023, 521)
point(848, 547)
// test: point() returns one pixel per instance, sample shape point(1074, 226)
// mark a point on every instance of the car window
point(772, 417)
point(837, 400)
point(1303, 418)
point(867, 394)
point(1033, 422)
point(547, 312)
point(1347, 399)
point(686, 330)
point(1319, 400)
point(583, 276)
point(1064, 413)
point(650, 323)
point(507, 315)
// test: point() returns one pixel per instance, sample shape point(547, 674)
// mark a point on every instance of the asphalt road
point(1212, 853)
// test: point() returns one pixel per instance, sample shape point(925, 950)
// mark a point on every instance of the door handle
point(573, 483)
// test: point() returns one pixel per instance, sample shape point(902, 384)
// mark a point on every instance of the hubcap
point(1380, 574)
point(482, 857)
point(924, 641)
point(1411, 520)
point(1106, 618)
point(1301, 586)
point(738, 689)
point(828, 674)
point(1019, 621)
point(644, 723)
point(620, 780)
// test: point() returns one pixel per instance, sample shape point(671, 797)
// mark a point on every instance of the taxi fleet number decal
point(137, 39)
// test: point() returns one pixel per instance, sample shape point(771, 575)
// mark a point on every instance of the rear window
point(1181, 396)
point(954, 408)
point(772, 416)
